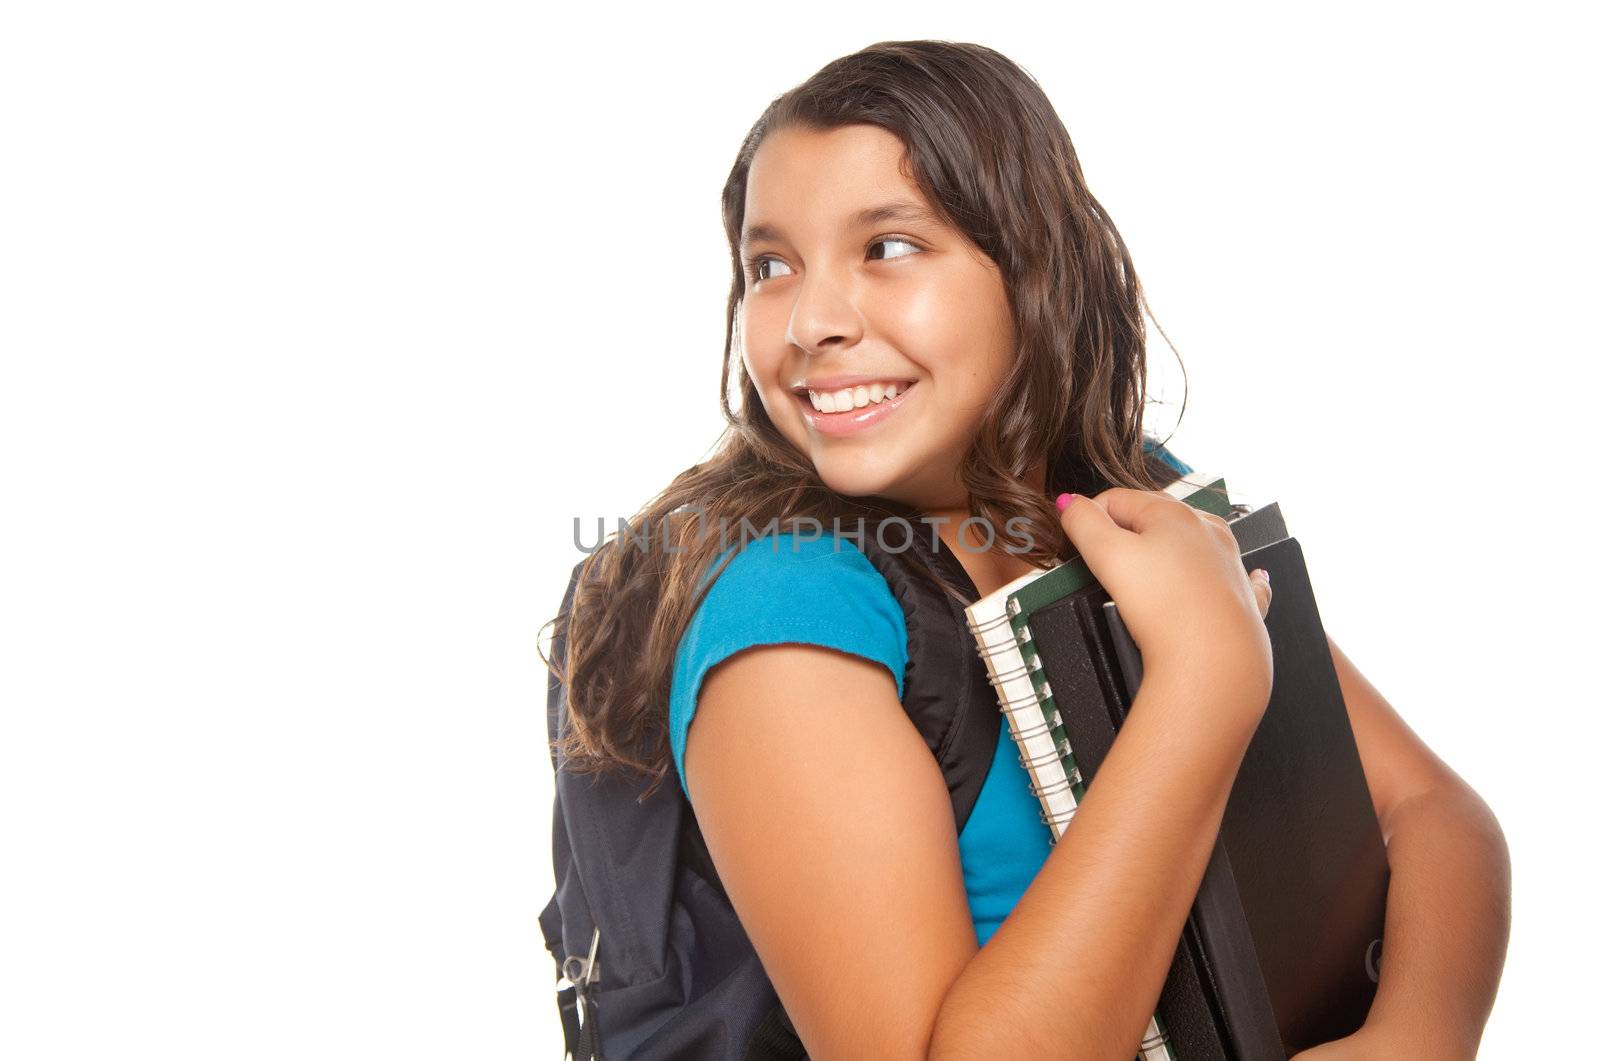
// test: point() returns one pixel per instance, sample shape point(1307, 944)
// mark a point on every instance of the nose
point(825, 316)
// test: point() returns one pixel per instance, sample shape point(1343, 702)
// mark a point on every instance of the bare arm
point(1115, 891)
point(830, 826)
point(1448, 921)
point(829, 822)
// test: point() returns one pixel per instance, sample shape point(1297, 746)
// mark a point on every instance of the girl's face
point(852, 286)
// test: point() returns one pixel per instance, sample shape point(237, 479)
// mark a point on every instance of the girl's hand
point(1180, 586)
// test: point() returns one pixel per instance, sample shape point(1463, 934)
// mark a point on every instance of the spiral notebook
point(1280, 949)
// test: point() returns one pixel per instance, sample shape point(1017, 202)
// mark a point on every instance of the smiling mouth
point(853, 421)
point(902, 387)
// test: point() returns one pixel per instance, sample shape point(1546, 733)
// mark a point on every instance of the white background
point(321, 322)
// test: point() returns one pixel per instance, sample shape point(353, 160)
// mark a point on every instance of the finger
point(1089, 526)
point(1261, 585)
point(1136, 510)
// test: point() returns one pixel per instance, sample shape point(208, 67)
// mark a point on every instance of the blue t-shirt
point(824, 591)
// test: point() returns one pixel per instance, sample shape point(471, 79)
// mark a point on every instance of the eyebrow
point(896, 210)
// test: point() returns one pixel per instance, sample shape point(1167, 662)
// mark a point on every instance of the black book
point(1281, 948)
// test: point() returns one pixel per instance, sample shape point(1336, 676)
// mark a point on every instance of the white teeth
point(841, 401)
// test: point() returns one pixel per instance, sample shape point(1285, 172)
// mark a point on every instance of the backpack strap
point(947, 691)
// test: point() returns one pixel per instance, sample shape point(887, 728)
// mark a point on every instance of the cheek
point(762, 355)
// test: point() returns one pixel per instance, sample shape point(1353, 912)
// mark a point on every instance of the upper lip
point(823, 384)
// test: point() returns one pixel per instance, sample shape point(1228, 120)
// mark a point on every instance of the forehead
point(802, 175)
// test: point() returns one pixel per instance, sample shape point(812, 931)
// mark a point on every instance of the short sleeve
point(782, 589)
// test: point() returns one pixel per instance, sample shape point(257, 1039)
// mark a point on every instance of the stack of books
point(1281, 947)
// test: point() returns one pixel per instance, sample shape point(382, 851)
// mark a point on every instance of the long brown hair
point(989, 152)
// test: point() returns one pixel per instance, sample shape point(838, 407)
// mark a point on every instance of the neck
point(988, 564)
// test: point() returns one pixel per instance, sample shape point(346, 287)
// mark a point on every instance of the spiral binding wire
point(1054, 755)
point(999, 678)
point(1156, 1041)
point(1061, 819)
point(1038, 730)
point(988, 624)
point(1059, 752)
point(1066, 784)
point(1040, 695)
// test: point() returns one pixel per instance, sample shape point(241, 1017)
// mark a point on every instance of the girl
point(937, 321)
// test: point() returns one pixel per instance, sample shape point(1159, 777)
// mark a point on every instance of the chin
point(857, 481)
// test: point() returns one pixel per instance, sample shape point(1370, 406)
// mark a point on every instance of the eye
point(895, 239)
point(757, 263)
point(754, 265)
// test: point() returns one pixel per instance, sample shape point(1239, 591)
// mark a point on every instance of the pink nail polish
point(1062, 501)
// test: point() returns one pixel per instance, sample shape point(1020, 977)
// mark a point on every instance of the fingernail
point(1266, 576)
point(1062, 501)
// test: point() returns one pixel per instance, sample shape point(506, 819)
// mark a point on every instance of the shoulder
point(822, 590)
point(782, 589)
point(792, 574)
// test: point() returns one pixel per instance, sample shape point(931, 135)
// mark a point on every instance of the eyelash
point(754, 264)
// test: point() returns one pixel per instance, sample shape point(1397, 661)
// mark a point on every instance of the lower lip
point(836, 425)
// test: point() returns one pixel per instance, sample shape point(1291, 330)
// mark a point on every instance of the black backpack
point(639, 924)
